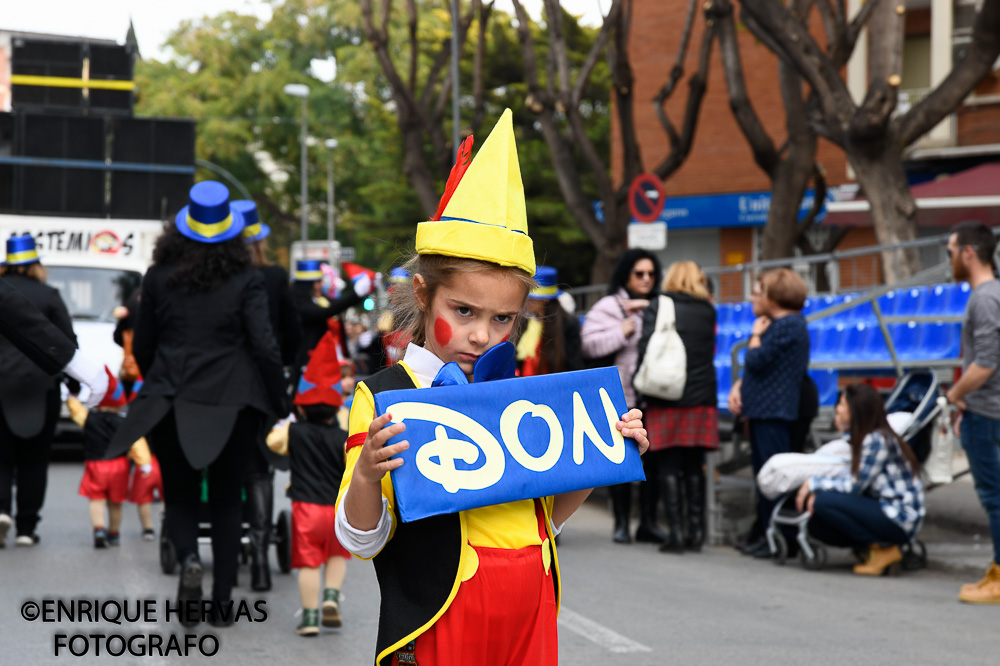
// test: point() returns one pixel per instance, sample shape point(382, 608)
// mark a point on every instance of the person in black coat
point(212, 375)
point(29, 396)
point(681, 431)
point(259, 480)
point(315, 310)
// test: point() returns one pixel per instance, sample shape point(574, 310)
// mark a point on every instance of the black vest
point(419, 566)
point(98, 430)
point(317, 462)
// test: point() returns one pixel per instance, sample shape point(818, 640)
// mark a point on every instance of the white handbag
point(663, 371)
point(937, 467)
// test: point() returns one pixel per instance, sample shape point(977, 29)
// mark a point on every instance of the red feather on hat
point(457, 171)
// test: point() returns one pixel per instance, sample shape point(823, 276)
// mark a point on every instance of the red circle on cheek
point(442, 331)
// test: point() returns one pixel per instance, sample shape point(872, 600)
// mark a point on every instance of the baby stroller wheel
point(781, 556)
point(914, 556)
point(168, 555)
point(283, 542)
point(818, 561)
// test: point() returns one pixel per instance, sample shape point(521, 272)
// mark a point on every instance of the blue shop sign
point(722, 210)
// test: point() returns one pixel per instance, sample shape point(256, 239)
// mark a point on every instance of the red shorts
point(314, 537)
point(105, 479)
point(505, 614)
point(141, 488)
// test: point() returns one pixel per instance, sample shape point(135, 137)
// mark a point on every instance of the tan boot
point(986, 591)
point(881, 562)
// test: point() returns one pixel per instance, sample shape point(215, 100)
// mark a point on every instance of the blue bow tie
point(496, 363)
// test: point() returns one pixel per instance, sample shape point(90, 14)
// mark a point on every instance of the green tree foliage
point(228, 71)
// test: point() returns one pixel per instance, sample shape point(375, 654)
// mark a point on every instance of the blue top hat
point(547, 279)
point(208, 217)
point(399, 276)
point(308, 270)
point(253, 228)
point(21, 250)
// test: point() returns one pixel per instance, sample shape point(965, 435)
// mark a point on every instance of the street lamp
point(330, 144)
point(301, 90)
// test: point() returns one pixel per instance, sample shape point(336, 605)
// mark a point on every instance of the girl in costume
point(478, 586)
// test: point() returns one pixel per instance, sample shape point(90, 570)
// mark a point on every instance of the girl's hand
point(631, 426)
point(736, 398)
point(374, 462)
point(805, 499)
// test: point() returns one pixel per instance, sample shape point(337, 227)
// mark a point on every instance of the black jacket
point(27, 328)
point(314, 319)
point(696, 327)
point(281, 310)
point(26, 390)
point(207, 355)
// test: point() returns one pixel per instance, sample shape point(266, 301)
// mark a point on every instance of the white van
point(96, 264)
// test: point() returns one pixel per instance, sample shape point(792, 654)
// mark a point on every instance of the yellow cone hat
point(485, 218)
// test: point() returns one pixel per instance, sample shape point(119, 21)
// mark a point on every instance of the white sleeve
point(364, 544)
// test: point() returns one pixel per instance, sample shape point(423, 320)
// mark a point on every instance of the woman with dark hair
point(212, 373)
point(880, 505)
point(610, 336)
point(551, 340)
point(29, 398)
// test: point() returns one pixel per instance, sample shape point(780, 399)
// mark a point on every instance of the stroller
point(914, 395)
point(281, 536)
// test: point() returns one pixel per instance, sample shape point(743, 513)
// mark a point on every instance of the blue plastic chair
point(876, 348)
point(959, 299)
point(889, 302)
point(860, 314)
point(724, 381)
point(828, 345)
point(911, 303)
point(906, 338)
point(826, 385)
point(743, 317)
point(724, 317)
point(936, 301)
point(941, 340)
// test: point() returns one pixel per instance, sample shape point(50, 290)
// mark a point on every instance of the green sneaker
point(331, 607)
point(309, 626)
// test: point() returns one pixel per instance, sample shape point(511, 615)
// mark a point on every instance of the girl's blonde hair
point(686, 277)
point(34, 270)
point(437, 270)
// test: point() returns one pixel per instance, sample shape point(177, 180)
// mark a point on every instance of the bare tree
point(557, 98)
point(871, 136)
point(420, 111)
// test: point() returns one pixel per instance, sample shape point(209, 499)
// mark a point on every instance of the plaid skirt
point(667, 427)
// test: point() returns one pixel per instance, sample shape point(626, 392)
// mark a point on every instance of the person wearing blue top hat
point(551, 340)
point(259, 483)
point(29, 397)
point(315, 310)
point(212, 376)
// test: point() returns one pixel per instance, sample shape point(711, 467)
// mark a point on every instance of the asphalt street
point(621, 604)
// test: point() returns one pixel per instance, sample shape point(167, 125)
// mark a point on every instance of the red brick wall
point(979, 124)
point(720, 160)
point(861, 271)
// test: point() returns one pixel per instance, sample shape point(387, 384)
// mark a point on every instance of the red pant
point(505, 615)
point(141, 490)
point(105, 479)
point(314, 539)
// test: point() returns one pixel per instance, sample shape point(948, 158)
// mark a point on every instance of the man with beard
point(977, 393)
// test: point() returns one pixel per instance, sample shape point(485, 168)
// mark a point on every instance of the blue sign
point(749, 209)
point(500, 441)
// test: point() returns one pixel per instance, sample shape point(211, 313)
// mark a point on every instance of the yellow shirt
point(512, 525)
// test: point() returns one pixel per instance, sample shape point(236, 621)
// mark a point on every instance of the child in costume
point(106, 482)
point(316, 448)
point(551, 340)
point(145, 486)
point(478, 586)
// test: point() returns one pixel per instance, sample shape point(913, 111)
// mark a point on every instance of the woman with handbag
point(610, 336)
point(684, 428)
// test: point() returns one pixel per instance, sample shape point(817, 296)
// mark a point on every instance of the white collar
point(422, 363)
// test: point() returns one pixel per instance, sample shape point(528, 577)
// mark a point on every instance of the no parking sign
point(645, 197)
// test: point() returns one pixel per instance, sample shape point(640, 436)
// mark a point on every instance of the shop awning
point(973, 194)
